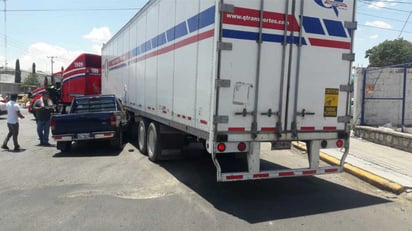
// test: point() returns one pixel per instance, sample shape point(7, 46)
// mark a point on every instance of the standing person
point(43, 107)
point(13, 115)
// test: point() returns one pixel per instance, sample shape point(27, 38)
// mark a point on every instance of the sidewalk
point(386, 162)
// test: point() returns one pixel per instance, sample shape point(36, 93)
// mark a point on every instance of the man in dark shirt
point(43, 108)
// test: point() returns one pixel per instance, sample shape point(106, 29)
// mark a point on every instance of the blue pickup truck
point(90, 118)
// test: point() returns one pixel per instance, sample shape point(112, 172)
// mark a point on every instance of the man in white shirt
point(13, 115)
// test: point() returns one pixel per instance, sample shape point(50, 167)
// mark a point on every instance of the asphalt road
point(96, 188)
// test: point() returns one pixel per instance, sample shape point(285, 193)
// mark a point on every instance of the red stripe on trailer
point(331, 170)
point(165, 112)
point(286, 174)
point(203, 122)
point(234, 177)
point(235, 129)
point(326, 128)
point(178, 115)
point(183, 116)
point(329, 43)
point(268, 129)
point(261, 175)
point(307, 128)
point(184, 42)
point(309, 172)
point(189, 118)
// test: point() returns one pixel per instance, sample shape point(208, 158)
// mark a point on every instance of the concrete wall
point(383, 96)
point(387, 137)
point(6, 88)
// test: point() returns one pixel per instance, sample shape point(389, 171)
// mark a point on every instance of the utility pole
point(5, 35)
point(51, 62)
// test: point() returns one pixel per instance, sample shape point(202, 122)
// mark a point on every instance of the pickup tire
point(142, 136)
point(154, 145)
point(117, 143)
point(64, 146)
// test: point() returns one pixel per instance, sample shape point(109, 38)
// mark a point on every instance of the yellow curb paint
point(376, 180)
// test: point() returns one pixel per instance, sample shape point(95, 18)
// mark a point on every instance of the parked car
point(3, 102)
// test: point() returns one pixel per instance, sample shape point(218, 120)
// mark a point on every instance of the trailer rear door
point(286, 61)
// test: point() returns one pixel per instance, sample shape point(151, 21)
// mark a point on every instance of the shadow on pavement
point(265, 200)
point(89, 149)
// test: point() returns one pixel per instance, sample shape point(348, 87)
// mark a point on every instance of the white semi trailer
point(234, 74)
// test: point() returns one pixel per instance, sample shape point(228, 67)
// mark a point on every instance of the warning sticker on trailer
point(330, 108)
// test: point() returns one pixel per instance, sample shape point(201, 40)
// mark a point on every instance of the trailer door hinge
point(348, 57)
point(230, 8)
point(346, 88)
point(222, 83)
point(225, 46)
point(344, 119)
point(351, 25)
point(221, 119)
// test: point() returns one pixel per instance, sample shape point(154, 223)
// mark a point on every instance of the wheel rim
point(151, 141)
point(142, 134)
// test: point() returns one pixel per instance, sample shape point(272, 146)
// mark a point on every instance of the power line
point(71, 10)
point(388, 29)
point(380, 17)
point(400, 33)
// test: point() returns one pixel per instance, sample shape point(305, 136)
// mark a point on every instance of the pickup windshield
point(97, 104)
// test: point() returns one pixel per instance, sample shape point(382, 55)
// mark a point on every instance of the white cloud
point(376, 5)
point(39, 53)
point(380, 24)
point(375, 36)
point(379, 4)
point(98, 36)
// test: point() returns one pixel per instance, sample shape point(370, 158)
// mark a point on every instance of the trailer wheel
point(142, 136)
point(154, 148)
point(64, 146)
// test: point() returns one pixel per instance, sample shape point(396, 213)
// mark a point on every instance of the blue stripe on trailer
point(313, 25)
point(335, 28)
point(245, 35)
point(201, 20)
point(159, 40)
point(176, 32)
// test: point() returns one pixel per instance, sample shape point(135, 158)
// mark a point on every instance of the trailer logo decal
point(276, 21)
point(336, 5)
point(251, 18)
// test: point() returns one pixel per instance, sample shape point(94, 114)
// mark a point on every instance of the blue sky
point(66, 28)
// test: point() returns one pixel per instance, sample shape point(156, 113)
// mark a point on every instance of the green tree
point(31, 80)
point(17, 72)
point(389, 53)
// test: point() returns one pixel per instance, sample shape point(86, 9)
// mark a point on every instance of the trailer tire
point(142, 136)
point(154, 147)
point(64, 146)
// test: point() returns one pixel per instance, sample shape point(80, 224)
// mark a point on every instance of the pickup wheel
point(154, 147)
point(117, 143)
point(64, 146)
point(142, 136)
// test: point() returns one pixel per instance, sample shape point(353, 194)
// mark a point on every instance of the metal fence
point(384, 96)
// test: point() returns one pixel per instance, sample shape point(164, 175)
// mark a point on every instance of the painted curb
point(365, 175)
